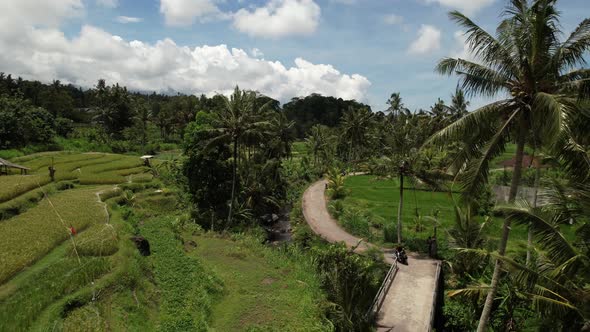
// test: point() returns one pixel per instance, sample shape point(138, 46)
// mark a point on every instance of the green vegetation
point(263, 289)
point(141, 261)
point(187, 288)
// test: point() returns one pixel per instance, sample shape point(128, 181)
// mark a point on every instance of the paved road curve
point(409, 303)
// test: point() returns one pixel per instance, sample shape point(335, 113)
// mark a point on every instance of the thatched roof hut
point(5, 165)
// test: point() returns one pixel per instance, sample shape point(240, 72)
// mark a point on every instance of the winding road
point(410, 302)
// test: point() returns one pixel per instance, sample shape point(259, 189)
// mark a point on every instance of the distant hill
point(317, 109)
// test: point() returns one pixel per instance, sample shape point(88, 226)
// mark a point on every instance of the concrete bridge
point(407, 298)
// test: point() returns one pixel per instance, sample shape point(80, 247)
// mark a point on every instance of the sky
point(353, 49)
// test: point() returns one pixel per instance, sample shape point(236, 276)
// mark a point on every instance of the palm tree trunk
point(233, 182)
point(530, 235)
point(487, 308)
point(401, 207)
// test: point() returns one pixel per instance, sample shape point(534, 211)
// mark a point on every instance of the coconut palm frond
point(484, 46)
point(474, 292)
point(475, 78)
point(545, 229)
point(547, 300)
point(548, 117)
point(571, 52)
point(479, 121)
point(476, 174)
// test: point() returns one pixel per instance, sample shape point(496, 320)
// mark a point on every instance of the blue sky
point(363, 49)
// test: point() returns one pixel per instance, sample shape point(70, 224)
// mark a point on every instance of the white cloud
point(128, 19)
point(255, 52)
point(428, 40)
point(18, 15)
point(344, 2)
point(393, 19)
point(46, 53)
point(185, 12)
point(468, 7)
point(108, 3)
point(279, 18)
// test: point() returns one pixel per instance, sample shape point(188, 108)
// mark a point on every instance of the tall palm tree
point(356, 126)
point(319, 141)
point(143, 115)
point(537, 72)
point(459, 104)
point(233, 122)
point(283, 129)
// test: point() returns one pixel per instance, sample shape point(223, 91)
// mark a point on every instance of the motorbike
point(401, 256)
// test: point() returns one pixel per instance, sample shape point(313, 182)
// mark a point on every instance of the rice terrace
point(295, 165)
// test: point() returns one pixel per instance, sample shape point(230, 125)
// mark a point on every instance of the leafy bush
point(21, 123)
point(390, 233)
point(336, 208)
point(336, 189)
point(351, 282)
point(356, 222)
point(459, 316)
point(64, 127)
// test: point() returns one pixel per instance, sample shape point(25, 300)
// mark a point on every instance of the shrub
point(22, 124)
point(356, 222)
point(64, 127)
point(65, 185)
point(336, 208)
point(390, 233)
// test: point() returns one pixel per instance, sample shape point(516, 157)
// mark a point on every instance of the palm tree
point(283, 129)
point(558, 284)
point(235, 121)
point(143, 115)
point(356, 125)
point(396, 106)
point(459, 104)
point(537, 72)
point(319, 144)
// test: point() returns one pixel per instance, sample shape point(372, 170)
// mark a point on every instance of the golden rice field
point(27, 237)
point(88, 168)
point(14, 185)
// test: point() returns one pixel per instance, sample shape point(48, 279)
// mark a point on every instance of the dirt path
point(409, 303)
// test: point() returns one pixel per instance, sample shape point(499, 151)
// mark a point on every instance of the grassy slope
point(263, 289)
point(170, 290)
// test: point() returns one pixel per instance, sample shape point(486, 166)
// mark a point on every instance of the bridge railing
point(380, 297)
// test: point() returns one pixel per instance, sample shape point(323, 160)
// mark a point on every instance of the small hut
point(146, 160)
point(5, 165)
